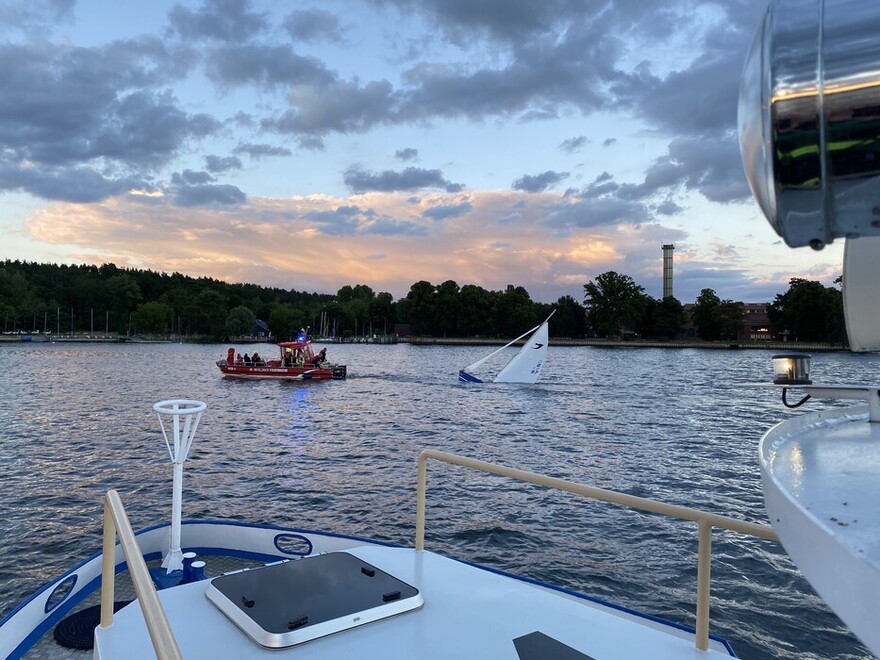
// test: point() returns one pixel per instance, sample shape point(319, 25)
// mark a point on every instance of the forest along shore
point(788, 346)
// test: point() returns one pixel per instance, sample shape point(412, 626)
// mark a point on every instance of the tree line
point(617, 306)
point(127, 301)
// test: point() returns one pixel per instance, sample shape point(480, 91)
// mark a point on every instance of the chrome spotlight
point(809, 119)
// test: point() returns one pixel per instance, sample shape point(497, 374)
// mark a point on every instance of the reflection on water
point(674, 424)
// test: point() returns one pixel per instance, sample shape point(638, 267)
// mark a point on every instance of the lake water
point(679, 425)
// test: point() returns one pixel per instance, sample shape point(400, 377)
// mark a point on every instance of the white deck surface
point(468, 613)
point(822, 492)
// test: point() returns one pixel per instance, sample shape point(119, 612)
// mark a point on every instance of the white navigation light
point(791, 369)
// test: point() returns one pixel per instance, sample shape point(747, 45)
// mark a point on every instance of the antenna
point(190, 412)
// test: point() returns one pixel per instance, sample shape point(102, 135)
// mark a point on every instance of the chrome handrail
point(116, 524)
point(705, 520)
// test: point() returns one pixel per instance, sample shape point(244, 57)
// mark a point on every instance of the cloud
point(221, 20)
point(250, 242)
point(708, 164)
point(219, 164)
point(573, 144)
point(393, 227)
point(64, 117)
point(595, 213)
point(539, 182)
point(444, 211)
point(668, 207)
point(261, 150)
point(190, 188)
point(264, 66)
point(191, 178)
point(203, 195)
point(62, 103)
point(707, 85)
point(70, 184)
point(311, 143)
point(351, 220)
point(340, 106)
point(534, 82)
point(102, 125)
point(508, 20)
point(602, 185)
point(543, 60)
point(406, 154)
point(341, 221)
point(411, 178)
point(313, 25)
point(726, 251)
point(36, 17)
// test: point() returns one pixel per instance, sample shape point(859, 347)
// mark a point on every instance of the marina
point(341, 456)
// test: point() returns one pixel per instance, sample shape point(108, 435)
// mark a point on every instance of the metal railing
point(116, 524)
point(706, 521)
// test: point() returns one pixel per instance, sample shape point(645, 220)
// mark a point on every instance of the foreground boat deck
point(821, 489)
point(467, 613)
point(49, 649)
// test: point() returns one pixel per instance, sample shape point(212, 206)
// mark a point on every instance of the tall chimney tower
point(667, 269)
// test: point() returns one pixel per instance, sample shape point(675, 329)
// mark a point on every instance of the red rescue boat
point(297, 361)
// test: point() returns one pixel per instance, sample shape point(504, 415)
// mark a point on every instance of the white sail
point(525, 367)
point(479, 362)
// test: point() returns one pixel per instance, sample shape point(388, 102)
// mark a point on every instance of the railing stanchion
point(108, 567)
point(420, 501)
point(164, 644)
point(704, 569)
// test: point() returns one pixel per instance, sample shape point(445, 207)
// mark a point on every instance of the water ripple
point(673, 424)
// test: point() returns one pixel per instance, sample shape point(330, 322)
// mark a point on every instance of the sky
point(311, 145)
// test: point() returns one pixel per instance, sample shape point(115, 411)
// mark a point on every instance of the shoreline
point(787, 346)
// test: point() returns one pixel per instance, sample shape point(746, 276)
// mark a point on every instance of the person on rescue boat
point(288, 357)
point(319, 358)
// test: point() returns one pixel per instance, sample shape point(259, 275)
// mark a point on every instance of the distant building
point(260, 330)
point(756, 323)
point(259, 334)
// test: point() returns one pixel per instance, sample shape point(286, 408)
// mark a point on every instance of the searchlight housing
point(809, 119)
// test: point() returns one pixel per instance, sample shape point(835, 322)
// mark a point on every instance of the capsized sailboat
point(525, 366)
